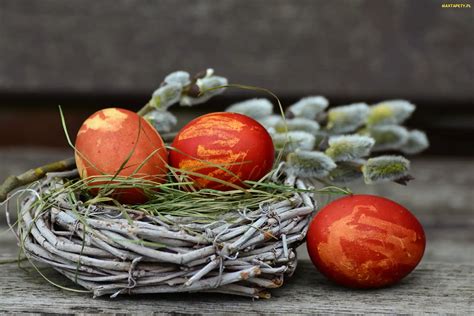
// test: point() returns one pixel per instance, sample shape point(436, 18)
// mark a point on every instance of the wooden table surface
point(441, 197)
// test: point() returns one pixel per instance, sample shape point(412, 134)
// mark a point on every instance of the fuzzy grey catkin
point(347, 118)
point(349, 147)
point(416, 142)
point(308, 107)
point(345, 172)
point(388, 137)
point(390, 112)
point(257, 108)
point(385, 168)
point(162, 121)
point(166, 96)
point(292, 141)
point(309, 164)
point(178, 77)
point(208, 87)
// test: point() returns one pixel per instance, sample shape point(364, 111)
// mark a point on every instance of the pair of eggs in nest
point(216, 151)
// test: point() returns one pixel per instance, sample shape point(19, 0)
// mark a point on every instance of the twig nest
point(113, 250)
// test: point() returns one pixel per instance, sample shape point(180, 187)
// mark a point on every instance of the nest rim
point(246, 258)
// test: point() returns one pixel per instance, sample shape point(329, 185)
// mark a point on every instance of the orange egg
point(225, 146)
point(365, 241)
point(111, 136)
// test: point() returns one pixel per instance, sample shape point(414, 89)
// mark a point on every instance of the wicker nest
point(110, 254)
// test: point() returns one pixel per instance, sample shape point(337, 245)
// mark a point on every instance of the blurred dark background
point(86, 55)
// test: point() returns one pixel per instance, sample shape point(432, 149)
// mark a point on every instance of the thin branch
point(32, 175)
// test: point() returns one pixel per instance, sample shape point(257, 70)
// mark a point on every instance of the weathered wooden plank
point(432, 288)
point(344, 48)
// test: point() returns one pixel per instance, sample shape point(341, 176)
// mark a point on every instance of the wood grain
point(431, 288)
point(344, 48)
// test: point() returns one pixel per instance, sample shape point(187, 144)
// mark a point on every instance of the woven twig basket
point(109, 254)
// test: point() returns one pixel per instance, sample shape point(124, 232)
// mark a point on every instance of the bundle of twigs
point(243, 252)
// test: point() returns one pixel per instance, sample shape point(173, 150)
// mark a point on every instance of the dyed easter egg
point(117, 141)
point(365, 241)
point(221, 150)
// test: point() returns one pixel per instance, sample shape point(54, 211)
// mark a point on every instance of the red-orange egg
point(365, 241)
point(226, 146)
point(111, 136)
